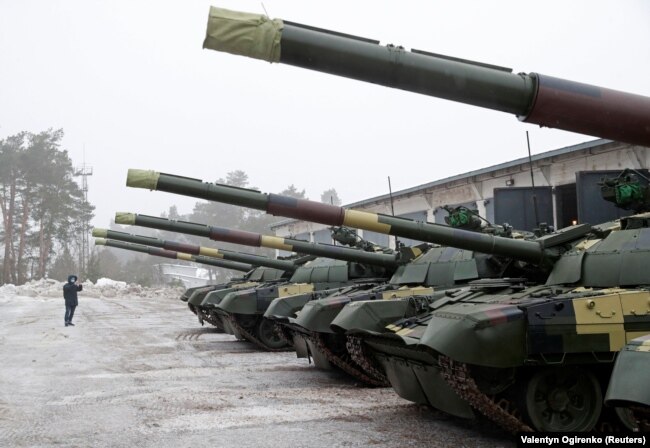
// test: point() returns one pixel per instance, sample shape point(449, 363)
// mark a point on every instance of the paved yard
point(142, 372)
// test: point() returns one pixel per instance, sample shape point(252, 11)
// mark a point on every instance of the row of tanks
point(541, 331)
point(524, 332)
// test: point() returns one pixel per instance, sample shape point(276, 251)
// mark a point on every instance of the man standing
point(70, 295)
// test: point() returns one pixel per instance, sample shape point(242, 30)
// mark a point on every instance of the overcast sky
point(131, 87)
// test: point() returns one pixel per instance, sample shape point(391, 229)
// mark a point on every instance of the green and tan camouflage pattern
point(338, 216)
point(235, 236)
point(193, 249)
point(158, 252)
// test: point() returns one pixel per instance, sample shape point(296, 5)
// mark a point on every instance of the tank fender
point(488, 335)
point(629, 381)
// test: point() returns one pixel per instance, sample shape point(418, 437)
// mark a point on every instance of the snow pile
point(8, 290)
point(104, 288)
point(108, 282)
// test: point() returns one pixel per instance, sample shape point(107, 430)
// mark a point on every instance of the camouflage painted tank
point(258, 268)
point(533, 98)
point(241, 312)
point(526, 356)
point(406, 294)
point(533, 357)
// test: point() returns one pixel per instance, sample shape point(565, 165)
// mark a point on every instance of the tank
point(533, 98)
point(242, 311)
point(526, 355)
point(204, 300)
point(535, 357)
point(406, 294)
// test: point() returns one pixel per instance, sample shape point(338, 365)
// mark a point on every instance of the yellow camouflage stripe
point(405, 292)
point(365, 220)
point(586, 244)
point(296, 288)
point(275, 242)
point(209, 252)
point(601, 315)
point(636, 303)
point(182, 256)
point(605, 315)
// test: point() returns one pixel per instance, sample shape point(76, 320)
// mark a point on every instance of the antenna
point(532, 181)
point(390, 193)
point(264, 8)
point(392, 209)
point(84, 171)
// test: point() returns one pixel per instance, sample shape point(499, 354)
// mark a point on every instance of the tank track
point(252, 338)
point(284, 333)
point(460, 380)
point(360, 356)
point(343, 364)
point(209, 318)
point(502, 411)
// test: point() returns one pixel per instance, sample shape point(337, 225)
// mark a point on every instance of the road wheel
point(268, 336)
point(563, 399)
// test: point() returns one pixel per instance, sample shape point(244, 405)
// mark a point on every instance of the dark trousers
point(69, 312)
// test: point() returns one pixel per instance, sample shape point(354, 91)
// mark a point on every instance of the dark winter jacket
point(70, 291)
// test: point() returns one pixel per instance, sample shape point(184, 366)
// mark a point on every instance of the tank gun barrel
point(333, 215)
point(533, 98)
point(255, 260)
point(257, 240)
point(244, 267)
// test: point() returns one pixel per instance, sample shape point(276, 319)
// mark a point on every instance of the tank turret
point(540, 251)
point(254, 260)
point(533, 98)
point(257, 240)
point(244, 267)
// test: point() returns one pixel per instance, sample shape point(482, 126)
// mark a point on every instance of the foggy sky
point(131, 86)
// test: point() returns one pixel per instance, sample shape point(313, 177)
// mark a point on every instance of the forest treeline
point(43, 208)
point(45, 215)
point(132, 267)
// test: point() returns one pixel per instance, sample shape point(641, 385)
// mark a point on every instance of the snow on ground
point(104, 287)
point(138, 370)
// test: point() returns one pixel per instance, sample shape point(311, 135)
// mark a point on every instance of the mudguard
point(628, 384)
point(198, 295)
point(372, 315)
point(470, 333)
point(317, 315)
point(287, 306)
point(239, 302)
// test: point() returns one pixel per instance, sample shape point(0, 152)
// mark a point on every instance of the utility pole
point(84, 171)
